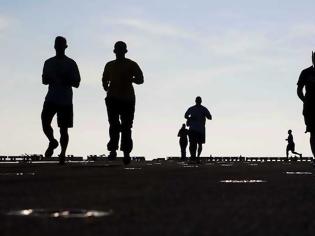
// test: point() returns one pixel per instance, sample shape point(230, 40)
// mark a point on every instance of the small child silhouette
point(183, 140)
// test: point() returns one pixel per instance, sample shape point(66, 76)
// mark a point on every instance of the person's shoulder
point(70, 60)
point(189, 110)
point(50, 60)
point(110, 63)
point(204, 108)
point(131, 62)
point(192, 108)
point(308, 69)
point(304, 75)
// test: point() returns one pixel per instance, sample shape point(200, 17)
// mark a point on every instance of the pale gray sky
point(242, 57)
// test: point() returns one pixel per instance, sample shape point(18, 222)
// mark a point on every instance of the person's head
point(313, 58)
point(120, 49)
point(198, 100)
point(289, 131)
point(60, 44)
point(183, 126)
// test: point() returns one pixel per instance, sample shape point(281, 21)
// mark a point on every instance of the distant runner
point(291, 145)
point(196, 120)
point(183, 141)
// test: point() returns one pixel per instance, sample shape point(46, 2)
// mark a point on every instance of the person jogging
point(196, 120)
point(118, 78)
point(60, 73)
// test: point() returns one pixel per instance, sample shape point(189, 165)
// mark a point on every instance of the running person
point(307, 81)
point(118, 77)
point(291, 145)
point(196, 119)
point(60, 73)
point(183, 140)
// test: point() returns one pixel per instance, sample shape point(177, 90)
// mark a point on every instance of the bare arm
point(45, 77)
point(105, 78)
point(138, 75)
point(300, 92)
point(300, 86)
point(208, 115)
point(187, 114)
point(76, 78)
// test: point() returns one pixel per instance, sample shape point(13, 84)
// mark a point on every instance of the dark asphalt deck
point(160, 199)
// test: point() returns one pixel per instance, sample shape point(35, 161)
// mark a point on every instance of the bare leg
point(46, 124)
point(297, 153)
point(199, 149)
point(64, 140)
point(312, 142)
point(192, 148)
point(183, 146)
point(47, 116)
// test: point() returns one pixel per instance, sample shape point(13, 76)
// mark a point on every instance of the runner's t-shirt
point(61, 74)
point(197, 118)
point(290, 139)
point(120, 75)
point(183, 133)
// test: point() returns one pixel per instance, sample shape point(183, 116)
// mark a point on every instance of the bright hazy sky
point(242, 57)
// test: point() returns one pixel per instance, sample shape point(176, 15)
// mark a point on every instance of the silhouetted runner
point(118, 77)
point(60, 73)
point(196, 120)
point(291, 145)
point(183, 140)
point(307, 81)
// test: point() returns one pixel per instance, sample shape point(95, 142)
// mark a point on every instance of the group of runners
point(61, 73)
point(196, 118)
point(196, 139)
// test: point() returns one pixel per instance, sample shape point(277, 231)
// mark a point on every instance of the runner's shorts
point(196, 137)
point(64, 114)
point(291, 147)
